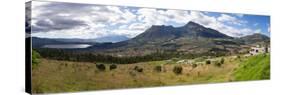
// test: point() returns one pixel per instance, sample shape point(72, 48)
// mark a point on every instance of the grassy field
point(52, 76)
point(255, 68)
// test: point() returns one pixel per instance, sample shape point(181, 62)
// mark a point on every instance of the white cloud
point(123, 26)
point(203, 19)
point(127, 32)
point(268, 28)
point(138, 26)
point(225, 18)
point(218, 23)
point(151, 16)
point(35, 6)
point(256, 24)
point(113, 20)
point(257, 31)
point(178, 16)
point(239, 15)
point(230, 19)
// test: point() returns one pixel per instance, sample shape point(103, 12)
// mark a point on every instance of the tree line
point(72, 55)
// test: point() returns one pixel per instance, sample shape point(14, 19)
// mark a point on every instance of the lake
point(67, 46)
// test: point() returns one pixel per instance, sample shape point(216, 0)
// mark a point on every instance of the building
point(258, 50)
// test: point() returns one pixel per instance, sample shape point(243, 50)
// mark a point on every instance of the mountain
point(38, 42)
point(191, 29)
point(190, 38)
point(73, 40)
point(157, 33)
point(112, 38)
point(254, 38)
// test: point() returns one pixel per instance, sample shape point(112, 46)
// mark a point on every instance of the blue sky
point(71, 20)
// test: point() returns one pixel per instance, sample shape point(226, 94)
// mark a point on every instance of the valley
point(160, 56)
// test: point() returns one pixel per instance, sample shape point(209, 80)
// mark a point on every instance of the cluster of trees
point(72, 55)
point(177, 70)
point(60, 54)
point(35, 58)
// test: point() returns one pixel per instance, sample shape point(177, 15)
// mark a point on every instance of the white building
point(258, 50)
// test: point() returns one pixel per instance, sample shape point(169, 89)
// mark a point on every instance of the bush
point(194, 65)
point(101, 67)
point(222, 61)
point(138, 69)
point(35, 58)
point(112, 67)
point(218, 64)
point(208, 62)
point(177, 70)
point(238, 56)
point(158, 68)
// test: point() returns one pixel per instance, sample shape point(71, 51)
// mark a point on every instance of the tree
point(222, 61)
point(177, 70)
point(158, 68)
point(35, 58)
point(101, 67)
point(208, 62)
point(112, 67)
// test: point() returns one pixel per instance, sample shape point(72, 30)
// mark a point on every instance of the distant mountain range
point(190, 38)
point(112, 38)
point(39, 42)
point(254, 38)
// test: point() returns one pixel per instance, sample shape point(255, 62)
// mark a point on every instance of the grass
point(52, 76)
point(255, 68)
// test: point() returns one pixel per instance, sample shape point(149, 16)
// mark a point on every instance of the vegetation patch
point(255, 68)
point(112, 67)
point(208, 62)
point(35, 58)
point(138, 69)
point(158, 68)
point(101, 67)
point(177, 70)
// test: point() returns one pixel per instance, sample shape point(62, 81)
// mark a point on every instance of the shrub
point(177, 70)
point(138, 69)
point(238, 56)
point(208, 62)
point(65, 64)
point(194, 65)
point(35, 58)
point(158, 68)
point(222, 61)
point(218, 64)
point(101, 67)
point(112, 67)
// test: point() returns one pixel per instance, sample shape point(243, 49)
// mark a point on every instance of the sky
point(90, 21)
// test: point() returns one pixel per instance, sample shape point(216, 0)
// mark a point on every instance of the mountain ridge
point(191, 29)
point(190, 38)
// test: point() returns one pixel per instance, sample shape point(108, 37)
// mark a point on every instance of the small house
point(258, 50)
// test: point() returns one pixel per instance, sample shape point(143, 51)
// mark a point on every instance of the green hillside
point(255, 68)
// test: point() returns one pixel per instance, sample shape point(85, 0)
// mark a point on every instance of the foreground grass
point(52, 76)
point(255, 68)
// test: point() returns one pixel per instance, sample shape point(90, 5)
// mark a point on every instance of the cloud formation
point(71, 20)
